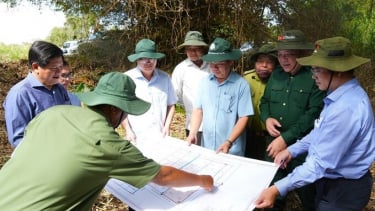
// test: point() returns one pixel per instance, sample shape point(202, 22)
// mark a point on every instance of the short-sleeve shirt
point(222, 105)
point(186, 78)
point(160, 93)
point(67, 156)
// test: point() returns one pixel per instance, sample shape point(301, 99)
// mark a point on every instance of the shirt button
point(281, 118)
point(284, 104)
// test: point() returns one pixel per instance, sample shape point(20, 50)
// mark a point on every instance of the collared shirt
point(25, 100)
point(257, 87)
point(67, 156)
point(295, 101)
point(160, 93)
point(185, 79)
point(342, 143)
point(222, 104)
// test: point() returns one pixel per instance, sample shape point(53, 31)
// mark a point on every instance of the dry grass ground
point(11, 73)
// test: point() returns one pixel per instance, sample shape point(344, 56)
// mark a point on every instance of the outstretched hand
point(207, 182)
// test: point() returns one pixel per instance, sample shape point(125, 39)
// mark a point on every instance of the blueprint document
point(238, 180)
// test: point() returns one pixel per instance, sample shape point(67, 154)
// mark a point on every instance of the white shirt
point(160, 93)
point(186, 78)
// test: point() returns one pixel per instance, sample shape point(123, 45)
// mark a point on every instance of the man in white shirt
point(187, 75)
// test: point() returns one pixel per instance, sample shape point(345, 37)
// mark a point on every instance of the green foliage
point(167, 21)
point(360, 29)
point(180, 109)
point(13, 52)
point(81, 87)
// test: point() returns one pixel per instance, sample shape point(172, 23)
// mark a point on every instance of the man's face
point(264, 66)
point(146, 64)
point(65, 77)
point(194, 53)
point(50, 74)
point(321, 76)
point(288, 60)
point(221, 69)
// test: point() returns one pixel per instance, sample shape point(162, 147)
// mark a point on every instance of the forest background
point(109, 30)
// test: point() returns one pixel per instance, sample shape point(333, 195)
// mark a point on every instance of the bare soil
point(11, 73)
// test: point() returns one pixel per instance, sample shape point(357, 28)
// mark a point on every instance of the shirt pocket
point(226, 103)
point(277, 93)
point(301, 97)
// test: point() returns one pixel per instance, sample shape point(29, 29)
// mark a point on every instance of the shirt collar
point(337, 93)
point(140, 75)
point(190, 63)
point(231, 77)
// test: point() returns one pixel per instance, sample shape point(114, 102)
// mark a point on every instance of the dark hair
point(42, 52)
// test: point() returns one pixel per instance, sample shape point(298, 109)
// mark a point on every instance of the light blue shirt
point(222, 105)
point(25, 100)
point(74, 99)
point(342, 143)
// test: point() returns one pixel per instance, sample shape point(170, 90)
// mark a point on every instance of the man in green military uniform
point(265, 61)
point(289, 106)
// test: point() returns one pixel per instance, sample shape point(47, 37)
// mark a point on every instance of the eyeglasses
point(66, 76)
point(316, 70)
point(218, 64)
point(146, 60)
point(54, 69)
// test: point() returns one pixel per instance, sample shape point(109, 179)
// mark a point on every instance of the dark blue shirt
point(25, 100)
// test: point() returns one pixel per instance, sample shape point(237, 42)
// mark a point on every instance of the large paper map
point(238, 180)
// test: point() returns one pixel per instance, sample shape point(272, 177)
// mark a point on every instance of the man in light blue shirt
point(37, 92)
point(341, 147)
point(223, 104)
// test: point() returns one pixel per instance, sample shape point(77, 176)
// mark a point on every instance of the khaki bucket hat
point(145, 48)
point(334, 54)
point(116, 89)
point(293, 40)
point(193, 38)
point(221, 50)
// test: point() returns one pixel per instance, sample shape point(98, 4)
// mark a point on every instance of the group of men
point(301, 107)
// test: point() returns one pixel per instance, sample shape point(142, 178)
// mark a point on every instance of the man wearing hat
point(187, 74)
point(154, 86)
point(265, 61)
point(69, 153)
point(289, 106)
point(341, 147)
point(223, 104)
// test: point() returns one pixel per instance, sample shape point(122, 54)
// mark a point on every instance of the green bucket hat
point(266, 49)
point(145, 48)
point(220, 50)
point(334, 54)
point(193, 38)
point(116, 89)
point(293, 40)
